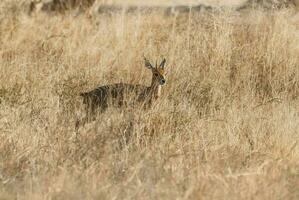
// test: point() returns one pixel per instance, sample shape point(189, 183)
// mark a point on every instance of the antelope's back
point(116, 93)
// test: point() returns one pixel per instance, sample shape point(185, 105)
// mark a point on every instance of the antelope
point(122, 94)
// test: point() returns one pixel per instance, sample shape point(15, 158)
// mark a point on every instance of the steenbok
point(123, 94)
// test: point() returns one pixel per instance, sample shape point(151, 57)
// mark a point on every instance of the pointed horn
point(162, 65)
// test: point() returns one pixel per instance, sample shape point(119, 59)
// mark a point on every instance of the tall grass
point(226, 126)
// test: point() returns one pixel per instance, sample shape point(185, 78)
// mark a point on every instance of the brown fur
point(123, 94)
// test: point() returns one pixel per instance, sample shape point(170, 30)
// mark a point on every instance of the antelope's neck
point(155, 89)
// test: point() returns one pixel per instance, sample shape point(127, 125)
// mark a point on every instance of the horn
point(163, 63)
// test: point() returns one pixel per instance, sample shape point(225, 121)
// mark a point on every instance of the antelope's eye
point(156, 74)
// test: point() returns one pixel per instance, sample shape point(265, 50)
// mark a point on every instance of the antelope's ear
point(148, 64)
point(162, 65)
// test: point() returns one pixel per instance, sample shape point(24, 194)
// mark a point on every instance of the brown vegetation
point(225, 127)
point(269, 4)
point(62, 5)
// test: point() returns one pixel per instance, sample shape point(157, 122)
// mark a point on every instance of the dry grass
point(226, 126)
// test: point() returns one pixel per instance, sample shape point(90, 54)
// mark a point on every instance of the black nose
point(163, 81)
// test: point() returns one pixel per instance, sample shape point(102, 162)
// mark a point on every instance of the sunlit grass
point(226, 126)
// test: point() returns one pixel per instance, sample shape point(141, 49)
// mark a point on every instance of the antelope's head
point(157, 71)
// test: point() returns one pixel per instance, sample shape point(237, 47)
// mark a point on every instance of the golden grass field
point(226, 126)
